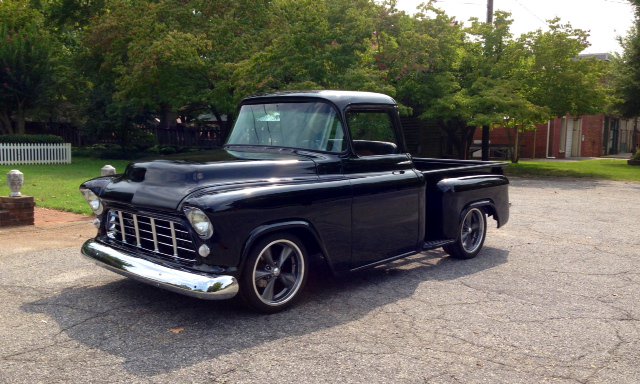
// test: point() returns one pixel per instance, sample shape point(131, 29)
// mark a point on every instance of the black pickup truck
point(317, 174)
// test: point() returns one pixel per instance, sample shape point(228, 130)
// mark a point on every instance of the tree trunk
point(20, 123)
point(634, 138)
point(5, 123)
point(452, 136)
point(469, 133)
point(485, 142)
point(515, 156)
point(167, 117)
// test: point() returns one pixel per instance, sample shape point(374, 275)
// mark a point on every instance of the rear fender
point(489, 192)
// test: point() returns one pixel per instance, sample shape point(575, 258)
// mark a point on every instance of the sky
point(604, 19)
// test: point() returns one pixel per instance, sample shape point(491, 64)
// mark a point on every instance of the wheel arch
point(487, 206)
point(451, 223)
point(301, 229)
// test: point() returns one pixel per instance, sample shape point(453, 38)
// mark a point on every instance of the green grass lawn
point(607, 169)
point(56, 186)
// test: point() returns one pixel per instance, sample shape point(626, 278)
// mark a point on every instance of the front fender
point(321, 209)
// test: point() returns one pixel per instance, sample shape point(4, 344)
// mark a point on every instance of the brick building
point(565, 137)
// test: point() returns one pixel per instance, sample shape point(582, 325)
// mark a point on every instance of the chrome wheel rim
point(278, 272)
point(472, 230)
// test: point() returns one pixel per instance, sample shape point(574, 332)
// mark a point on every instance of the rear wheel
point(471, 234)
point(275, 273)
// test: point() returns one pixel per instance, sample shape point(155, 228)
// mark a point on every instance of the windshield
point(310, 125)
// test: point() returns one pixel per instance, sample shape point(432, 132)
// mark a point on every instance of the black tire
point(471, 234)
point(275, 273)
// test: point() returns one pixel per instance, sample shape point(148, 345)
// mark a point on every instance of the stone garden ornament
point(15, 179)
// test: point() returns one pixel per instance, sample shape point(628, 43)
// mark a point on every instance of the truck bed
point(439, 167)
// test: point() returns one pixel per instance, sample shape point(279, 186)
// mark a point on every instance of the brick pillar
point(16, 211)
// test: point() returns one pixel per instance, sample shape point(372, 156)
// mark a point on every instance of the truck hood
point(163, 184)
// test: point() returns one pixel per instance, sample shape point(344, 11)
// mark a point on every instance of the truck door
point(386, 189)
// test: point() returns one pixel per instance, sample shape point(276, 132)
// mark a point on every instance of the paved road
point(553, 297)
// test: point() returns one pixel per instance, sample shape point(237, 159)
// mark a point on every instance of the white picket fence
point(14, 154)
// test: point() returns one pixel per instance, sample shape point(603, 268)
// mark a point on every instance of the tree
point(499, 98)
point(26, 63)
point(460, 78)
point(422, 55)
point(555, 78)
point(554, 75)
point(313, 44)
point(177, 59)
point(626, 70)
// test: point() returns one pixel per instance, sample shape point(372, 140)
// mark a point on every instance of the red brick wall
point(591, 146)
point(16, 211)
point(592, 131)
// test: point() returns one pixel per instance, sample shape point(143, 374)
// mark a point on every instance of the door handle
point(398, 172)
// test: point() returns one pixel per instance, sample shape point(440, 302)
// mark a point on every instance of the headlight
point(93, 200)
point(200, 222)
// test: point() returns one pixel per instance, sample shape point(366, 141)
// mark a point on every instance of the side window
point(372, 132)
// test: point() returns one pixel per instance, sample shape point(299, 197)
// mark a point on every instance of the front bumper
point(209, 287)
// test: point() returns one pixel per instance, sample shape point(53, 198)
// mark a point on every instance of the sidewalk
point(52, 230)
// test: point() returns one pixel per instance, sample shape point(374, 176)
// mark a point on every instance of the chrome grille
point(158, 236)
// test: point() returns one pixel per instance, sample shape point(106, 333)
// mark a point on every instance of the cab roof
point(340, 98)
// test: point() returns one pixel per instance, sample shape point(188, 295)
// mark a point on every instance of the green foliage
point(31, 139)
point(636, 156)
point(167, 150)
point(375, 126)
point(314, 44)
point(118, 67)
point(626, 71)
point(552, 75)
point(26, 63)
point(482, 76)
point(176, 60)
point(460, 78)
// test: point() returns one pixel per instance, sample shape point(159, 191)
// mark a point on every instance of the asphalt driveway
point(553, 297)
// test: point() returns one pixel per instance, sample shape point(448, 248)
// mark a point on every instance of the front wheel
point(275, 273)
point(471, 235)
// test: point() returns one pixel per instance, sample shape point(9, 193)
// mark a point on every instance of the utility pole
point(485, 128)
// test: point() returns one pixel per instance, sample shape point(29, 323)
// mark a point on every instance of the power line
point(530, 11)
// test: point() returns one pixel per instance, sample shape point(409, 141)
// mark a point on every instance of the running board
point(433, 244)
point(425, 246)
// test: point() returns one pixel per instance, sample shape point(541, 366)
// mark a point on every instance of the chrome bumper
point(191, 284)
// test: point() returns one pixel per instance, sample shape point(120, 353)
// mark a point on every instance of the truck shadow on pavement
point(153, 331)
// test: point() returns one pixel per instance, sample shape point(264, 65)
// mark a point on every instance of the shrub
point(637, 155)
point(31, 139)
point(143, 140)
point(168, 150)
